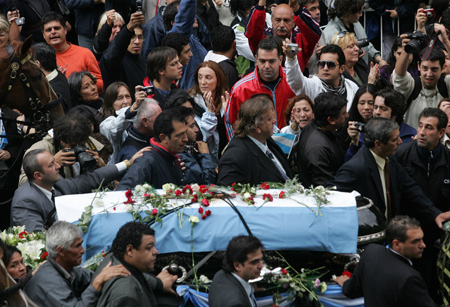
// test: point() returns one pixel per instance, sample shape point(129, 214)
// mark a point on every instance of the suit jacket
point(244, 162)
point(386, 279)
point(30, 206)
point(361, 174)
point(227, 291)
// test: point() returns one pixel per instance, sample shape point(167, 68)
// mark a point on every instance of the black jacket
point(157, 167)
point(244, 162)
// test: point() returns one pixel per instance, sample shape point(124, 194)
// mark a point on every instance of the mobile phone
point(138, 5)
point(20, 21)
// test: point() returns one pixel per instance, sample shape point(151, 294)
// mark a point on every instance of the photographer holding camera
point(431, 87)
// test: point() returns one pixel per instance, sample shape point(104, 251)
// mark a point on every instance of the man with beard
point(242, 262)
point(267, 78)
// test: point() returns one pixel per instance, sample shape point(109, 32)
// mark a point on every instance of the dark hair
point(439, 114)
point(170, 12)
point(186, 112)
point(130, 233)
point(30, 163)
point(107, 149)
point(157, 59)
point(379, 128)
point(71, 128)
point(222, 38)
point(353, 114)
point(8, 252)
point(175, 40)
point(270, 43)
point(221, 87)
point(89, 115)
point(52, 16)
point(436, 55)
point(394, 100)
point(291, 104)
point(251, 113)
point(345, 7)
point(177, 97)
point(46, 55)
point(241, 6)
point(441, 9)
point(75, 83)
point(164, 122)
point(398, 226)
point(238, 249)
point(110, 97)
point(303, 3)
point(327, 105)
point(335, 49)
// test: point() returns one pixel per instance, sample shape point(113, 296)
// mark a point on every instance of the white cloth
point(114, 128)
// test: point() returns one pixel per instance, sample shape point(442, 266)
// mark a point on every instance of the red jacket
point(307, 35)
point(250, 85)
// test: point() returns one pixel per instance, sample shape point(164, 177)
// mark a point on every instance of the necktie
point(387, 178)
point(279, 167)
point(253, 299)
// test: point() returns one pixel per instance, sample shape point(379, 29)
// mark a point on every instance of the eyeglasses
point(331, 65)
point(342, 34)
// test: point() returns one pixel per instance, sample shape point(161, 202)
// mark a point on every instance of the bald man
point(284, 21)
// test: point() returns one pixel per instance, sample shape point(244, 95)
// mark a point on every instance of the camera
point(292, 49)
point(138, 5)
point(148, 90)
point(362, 42)
point(86, 161)
point(418, 41)
point(359, 126)
point(429, 12)
point(20, 21)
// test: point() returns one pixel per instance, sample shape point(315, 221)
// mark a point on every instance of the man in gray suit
point(33, 204)
point(242, 262)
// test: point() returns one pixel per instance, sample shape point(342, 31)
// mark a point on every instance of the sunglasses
point(331, 65)
point(342, 34)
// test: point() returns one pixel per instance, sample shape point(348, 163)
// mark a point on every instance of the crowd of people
point(208, 92)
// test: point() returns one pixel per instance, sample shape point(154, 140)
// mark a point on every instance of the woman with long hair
point(116, 110)
point(84, 91)
point(299, 112)
point(210, 92)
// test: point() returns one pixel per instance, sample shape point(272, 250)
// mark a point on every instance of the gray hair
point(379, 129)
point(30, 163)
point(251, 113)
point(61, 234)
point(147, 109)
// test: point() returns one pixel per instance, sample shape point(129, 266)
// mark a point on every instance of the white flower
point(31, 249)
point(168, 186)
point(246, 195)
point(147, 187)
point(18, 229)
point(139, 189)
point(129, 208)
point(195, 187)
point(193, 219)
point(204, 279)
point(99, 203)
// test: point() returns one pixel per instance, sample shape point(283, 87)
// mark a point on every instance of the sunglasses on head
point(330, 64)
point(342, 34)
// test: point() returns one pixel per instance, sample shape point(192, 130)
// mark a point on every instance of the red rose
point(146, 195)
point(195, 198)
point(154, 211)
point(128, 193)
point(23, 234)
point(114, 208)
point(264, 186)
point(267, 197)
point(187, 190)
point(204, 217)
point(103, 254)
point(208, 212)
point(205, 202)
point(251, 200)
point(203, 188)
point(177, 192)
point(275, 305)
point(284, 271)
point(200, 210)
point(347, 273)
point(44, 255)
point(233, 184)
point(282, 195)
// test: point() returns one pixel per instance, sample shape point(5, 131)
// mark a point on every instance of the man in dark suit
point(242, 262)
point(33, 203)
point(385, 276)
point(252, 156)
point(383, 179)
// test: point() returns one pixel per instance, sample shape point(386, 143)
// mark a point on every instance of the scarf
point(339, 90)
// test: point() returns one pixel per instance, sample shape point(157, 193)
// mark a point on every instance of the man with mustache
point(284, 19)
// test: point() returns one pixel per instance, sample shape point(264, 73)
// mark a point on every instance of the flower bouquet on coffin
point(32, 245)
